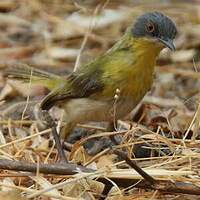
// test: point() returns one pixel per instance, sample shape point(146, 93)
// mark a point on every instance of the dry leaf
point(11, 195)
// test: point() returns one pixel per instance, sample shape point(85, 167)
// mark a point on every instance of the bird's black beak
point(168, 43)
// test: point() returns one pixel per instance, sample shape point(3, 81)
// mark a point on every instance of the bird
point(109, 87)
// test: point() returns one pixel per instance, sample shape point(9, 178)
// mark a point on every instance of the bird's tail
point(26, 73)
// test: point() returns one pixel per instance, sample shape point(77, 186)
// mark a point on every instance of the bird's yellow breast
point(131, 71)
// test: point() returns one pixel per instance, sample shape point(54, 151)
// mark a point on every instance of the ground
point(161, 134)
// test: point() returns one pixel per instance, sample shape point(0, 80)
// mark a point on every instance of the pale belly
point(87, 110)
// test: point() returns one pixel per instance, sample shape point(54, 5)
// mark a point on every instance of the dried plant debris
point(161, 135)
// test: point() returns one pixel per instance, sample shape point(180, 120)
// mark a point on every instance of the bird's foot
point(51, 124)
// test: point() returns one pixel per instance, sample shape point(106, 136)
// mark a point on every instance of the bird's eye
point(150, 27)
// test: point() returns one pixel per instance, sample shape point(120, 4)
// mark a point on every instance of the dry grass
point(58, 36)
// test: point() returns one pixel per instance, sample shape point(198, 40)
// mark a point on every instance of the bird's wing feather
point(87, 80)
point(77, 85)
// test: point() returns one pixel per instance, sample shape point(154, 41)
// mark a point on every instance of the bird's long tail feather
point(26, 73)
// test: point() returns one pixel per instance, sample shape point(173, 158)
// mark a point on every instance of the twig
point(161, 185)
point(24, 122)
point(70, 169)
point(61, 169)
point(28, 190)
point(60, 185)
point(85, 39)
point(25, 138)
point(134, 165)
point(51, 123)
point(91, 127)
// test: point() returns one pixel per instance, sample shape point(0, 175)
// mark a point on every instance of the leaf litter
point(161, 134)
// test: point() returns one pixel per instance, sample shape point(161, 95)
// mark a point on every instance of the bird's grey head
point(157, 26)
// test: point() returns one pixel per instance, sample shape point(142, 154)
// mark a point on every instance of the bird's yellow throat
point(131, 70)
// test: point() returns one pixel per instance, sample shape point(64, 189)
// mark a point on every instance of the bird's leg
point(110, 128)
point(66, 130)
point(51, 123)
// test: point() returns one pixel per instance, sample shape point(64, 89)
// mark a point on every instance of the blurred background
point(60, 35)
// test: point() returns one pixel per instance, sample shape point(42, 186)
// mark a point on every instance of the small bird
point(110, 86)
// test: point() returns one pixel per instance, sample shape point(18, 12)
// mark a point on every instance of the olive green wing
point(88, 81)
point(77, 85)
